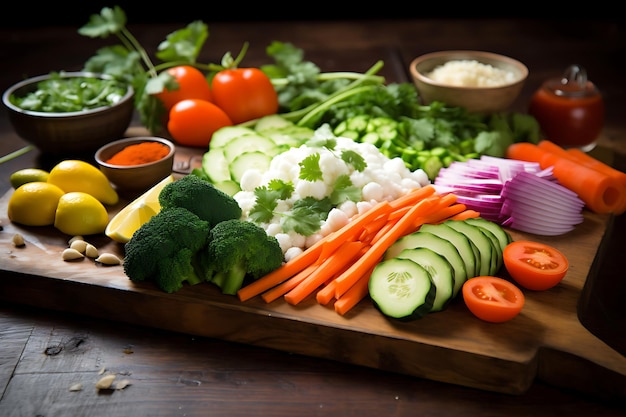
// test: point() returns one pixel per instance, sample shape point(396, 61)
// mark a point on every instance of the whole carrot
point(601, 193)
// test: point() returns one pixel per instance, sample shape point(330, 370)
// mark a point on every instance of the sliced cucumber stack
point(402, 289)
point(235, 149)
point(450, 252)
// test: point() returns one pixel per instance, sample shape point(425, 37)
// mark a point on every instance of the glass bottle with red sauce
point(569, 110)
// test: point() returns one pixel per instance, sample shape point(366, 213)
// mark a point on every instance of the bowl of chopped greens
point(69, 112)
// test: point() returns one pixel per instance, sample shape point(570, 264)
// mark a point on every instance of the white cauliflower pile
point(381, 179)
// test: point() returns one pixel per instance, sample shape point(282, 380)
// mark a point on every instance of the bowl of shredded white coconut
point(481, 82)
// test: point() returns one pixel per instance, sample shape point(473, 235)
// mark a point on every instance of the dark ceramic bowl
point(69, 132)
point(135, 178)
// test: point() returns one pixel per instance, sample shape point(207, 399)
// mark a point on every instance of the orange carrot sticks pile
point(336, 269)
point(602, 188)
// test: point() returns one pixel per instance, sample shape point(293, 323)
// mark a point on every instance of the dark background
point(76, 13)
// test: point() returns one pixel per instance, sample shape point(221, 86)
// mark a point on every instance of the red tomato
point(244, 94)
point(192, 122)
point(492, 299)
point(534, 265)
point(191, 84)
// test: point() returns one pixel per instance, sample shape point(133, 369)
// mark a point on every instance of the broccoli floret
point(200, 197)
point(163, 249)
point(239, 249)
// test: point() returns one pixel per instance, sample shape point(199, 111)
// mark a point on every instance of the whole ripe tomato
point(191, 84)
point(533, 265)
point(492, 299)
point(193, 121)
point(244, 94)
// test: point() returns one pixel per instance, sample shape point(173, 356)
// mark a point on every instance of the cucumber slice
point(224, 135)
point(460, 242)
point(483, 243)
point(443, 247)
point(249, 143)
point(249, 160)
point(401, 289)
point(230, 187)
point(272, 122)
point(440, 271)
point(503, 236)
point(290, 137)
point(215, 165)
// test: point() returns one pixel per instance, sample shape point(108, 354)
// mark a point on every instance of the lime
point(34, 203)
point(28, 175)
point(130, 218)
point(76, 175)
point(79, 213)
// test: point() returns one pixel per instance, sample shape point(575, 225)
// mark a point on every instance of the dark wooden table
point(43, 352)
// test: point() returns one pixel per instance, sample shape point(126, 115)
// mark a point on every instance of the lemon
point(34, 203)
point(130, 218)
point(76, 175)
point(79, 213)
point(28, 175)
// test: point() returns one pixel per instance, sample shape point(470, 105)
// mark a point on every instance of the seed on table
point(18, 240)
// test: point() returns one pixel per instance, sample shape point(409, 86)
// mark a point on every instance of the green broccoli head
point(162, 250)
point(238, 249)
point(200, 197)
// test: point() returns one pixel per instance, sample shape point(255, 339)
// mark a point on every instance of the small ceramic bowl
point(135, 178)
point(68, 132)
point(477, 98)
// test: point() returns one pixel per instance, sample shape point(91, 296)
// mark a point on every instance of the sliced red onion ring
point(515, 194)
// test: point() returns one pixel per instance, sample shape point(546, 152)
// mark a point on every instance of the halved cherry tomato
point(492, 299)
point(533, 265)
point(191, 84)
point(192, 122)
point(244, 94)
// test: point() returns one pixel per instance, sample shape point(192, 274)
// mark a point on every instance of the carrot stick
point(382, 231)
point(371, 228)
point(601, 193)
point(355, 294)
point(376, 251)
point(310, 255)
point(285, 286)
point(465, 214)
point(335, 262)
point(413, 196)
point(326, 294)
point(441, 214)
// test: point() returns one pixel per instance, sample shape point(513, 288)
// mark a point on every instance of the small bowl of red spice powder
point(135, 164)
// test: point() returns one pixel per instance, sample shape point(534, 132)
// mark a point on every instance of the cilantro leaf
point(352, 158)
point(310, 168)
point(345, 191)
point(306, 215)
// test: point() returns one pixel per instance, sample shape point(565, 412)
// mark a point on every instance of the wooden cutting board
point(545, 341)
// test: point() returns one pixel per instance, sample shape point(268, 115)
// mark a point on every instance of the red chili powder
point(140, 153)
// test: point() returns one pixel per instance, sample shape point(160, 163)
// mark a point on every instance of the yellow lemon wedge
point(75, 175)
point(79, 213)
point(34, 203)
point(130, 218)
point(25, 175)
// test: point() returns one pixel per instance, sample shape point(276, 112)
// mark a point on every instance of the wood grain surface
point(450, 346)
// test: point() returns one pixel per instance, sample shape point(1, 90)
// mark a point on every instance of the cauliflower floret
point(313, 239)
point(373, 191)
point(246, 200)
point(349, 208)
point(336, 219)
point(284, 240)
point(292, 253)
point(421, 177)
point(250, 179)
point(315, 189)
point(332, 167)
